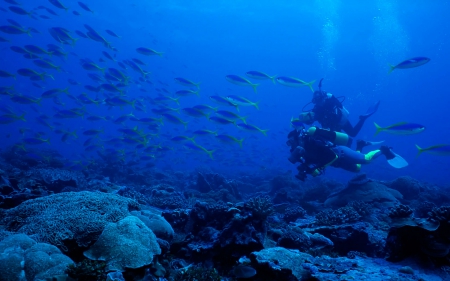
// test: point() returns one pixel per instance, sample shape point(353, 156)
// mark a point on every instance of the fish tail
point(215, 133)
point(254, 87)
point(192, 140)
point(185, 125)
point(132, 104)
point(38, 101)
point(243, 119)
point(177, 100)
point(74, 41)
point(310, 85)
point(197, 93)
point(197, 85)
point(419, 150)
point(256, 105)
point(160, 120)
point(210, 153)
point(47, 140)
point(237, 107)
point(240, 142)
point(29, 32)
point(51, 76)
point(66, 90)
point(74, 134)
point(273, 79)
point(215, 108)
point(379, 129)
point(22, 117)
point(391, 68)
point(264, 132)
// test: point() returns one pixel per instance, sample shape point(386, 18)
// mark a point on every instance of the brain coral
point(128, 243)
point(74, 216)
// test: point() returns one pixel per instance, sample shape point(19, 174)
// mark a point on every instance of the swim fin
point(371, 110)
point(360, 144)
point(393, 158)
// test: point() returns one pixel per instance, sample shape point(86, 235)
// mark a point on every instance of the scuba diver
point(332, 115)
point(315, 149)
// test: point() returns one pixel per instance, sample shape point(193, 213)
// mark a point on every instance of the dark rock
point(370, 192)
point(407, 186)
point(361, 237)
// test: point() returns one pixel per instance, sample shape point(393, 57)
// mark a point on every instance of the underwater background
point(349, 44)
point(140, 123)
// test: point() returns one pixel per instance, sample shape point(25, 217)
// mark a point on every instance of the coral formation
point(292, 214)
point(340, 216)
point(64, 217)
point(129, 243)
point(260, 207)
point(22, 258)
point(400, 211)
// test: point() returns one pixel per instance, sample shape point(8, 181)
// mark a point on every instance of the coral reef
point(368, 191)
point(260, 207)
point(292, 214)
point(197, 273)
point(65, 217)
point(22, 258)
point(337, 217)
point(129, 243)
point(362, 208)
point(88, 270)
point(400, 211)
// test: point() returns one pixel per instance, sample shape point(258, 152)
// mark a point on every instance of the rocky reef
point(59, 224)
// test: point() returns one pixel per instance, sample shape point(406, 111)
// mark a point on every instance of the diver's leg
point(349, 156)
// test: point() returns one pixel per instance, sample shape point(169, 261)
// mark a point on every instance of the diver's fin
point(374, 142)
point(397, 162)
point(393, 158)
point(371, 110)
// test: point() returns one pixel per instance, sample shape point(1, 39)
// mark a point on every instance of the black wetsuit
point(329, 115)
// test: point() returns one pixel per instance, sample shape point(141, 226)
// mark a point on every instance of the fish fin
point(264, 132)
point(254, 87)
point(273, 79)
point(210, 153)
point(391, 68)
point(419, 150)
point(310, 85)
point(379, 129)
point(240, 142)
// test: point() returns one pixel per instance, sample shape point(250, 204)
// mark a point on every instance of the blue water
point(348, 43)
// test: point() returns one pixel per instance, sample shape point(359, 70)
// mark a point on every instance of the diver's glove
point(302, 172)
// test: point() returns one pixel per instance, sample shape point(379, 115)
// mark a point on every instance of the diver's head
point(319, 97)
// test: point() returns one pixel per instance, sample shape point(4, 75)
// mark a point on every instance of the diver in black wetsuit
point(317, 149)
point(332, 115)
